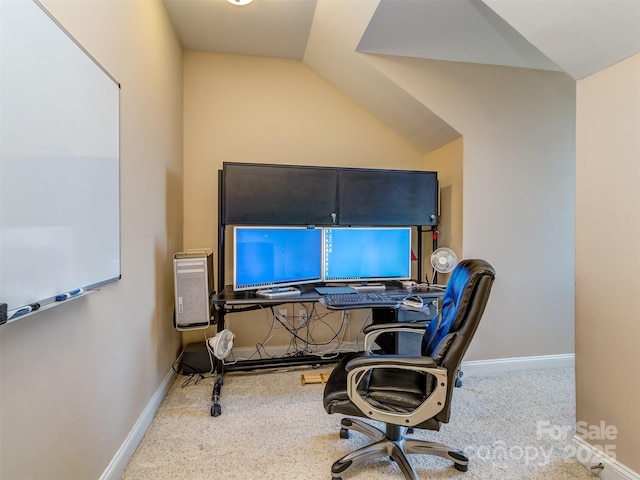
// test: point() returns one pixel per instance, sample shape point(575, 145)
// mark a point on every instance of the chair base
point(392, 444)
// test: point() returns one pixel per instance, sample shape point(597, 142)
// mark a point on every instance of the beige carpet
point(273, 427)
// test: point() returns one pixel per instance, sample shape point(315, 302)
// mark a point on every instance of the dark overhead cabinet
point(278, 194)
point(387, 197)
point(298, 195)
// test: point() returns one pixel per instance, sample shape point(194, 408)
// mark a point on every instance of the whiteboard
point(59, 161)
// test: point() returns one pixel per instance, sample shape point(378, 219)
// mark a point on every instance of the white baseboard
point(119, 462)
point(589, 456)
point(470, 368)
point(517, 364)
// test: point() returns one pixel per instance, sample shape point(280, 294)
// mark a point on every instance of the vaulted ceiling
point(334, 36)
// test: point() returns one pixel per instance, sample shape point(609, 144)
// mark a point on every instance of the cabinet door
point(278, 194)
point(387, 197)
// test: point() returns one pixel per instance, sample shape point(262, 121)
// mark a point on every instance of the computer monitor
point(268, 258)
point(363, 254)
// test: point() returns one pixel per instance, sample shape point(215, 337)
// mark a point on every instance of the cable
point(234, 360)
point(195, 372)
point(294, 332)
point(303, 335)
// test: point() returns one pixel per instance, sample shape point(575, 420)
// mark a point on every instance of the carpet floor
point(513, 426)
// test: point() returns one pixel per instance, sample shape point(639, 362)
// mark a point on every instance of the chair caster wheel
point(344, 433)
point(216, 410)
point(460, 468)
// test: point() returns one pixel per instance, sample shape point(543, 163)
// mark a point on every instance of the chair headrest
point(455, 303)
point(461, 288)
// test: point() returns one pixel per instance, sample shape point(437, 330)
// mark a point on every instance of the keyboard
point(359, 300)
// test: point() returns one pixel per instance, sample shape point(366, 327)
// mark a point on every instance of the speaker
point(193, 288)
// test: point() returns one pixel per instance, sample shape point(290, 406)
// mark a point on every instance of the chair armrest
point(372, 332)
point(390, 361)
point(386, 326)
point(357, 369)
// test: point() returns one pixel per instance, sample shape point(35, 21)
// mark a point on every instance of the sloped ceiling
point(583, 37)
point(571, 36)
point(457, 31)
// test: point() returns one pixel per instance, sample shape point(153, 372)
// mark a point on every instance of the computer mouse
point(413, 301)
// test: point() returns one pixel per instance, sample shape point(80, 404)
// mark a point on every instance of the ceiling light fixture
point(240, 2)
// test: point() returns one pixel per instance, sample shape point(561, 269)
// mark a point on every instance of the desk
point(229, 302)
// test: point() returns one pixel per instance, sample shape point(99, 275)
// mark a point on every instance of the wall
point(76, 378)
point(607, 240)
point(252, 109)
point(448, 162)
point(518, 127)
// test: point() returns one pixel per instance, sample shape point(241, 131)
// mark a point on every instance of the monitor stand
point(279, 292)
point(368, 287)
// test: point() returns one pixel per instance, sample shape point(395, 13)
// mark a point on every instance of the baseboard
point(125, 452)
point(470, 368)
point(589, 456)
point(517, 364)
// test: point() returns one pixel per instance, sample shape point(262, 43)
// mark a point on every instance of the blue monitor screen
point(362, 254)
point(266, 257)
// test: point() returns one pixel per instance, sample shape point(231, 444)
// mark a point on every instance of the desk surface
point(308, 294)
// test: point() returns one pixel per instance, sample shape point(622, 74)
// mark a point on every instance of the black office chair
point(410, 392)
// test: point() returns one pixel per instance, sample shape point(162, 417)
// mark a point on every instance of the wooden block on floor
point(309, 378)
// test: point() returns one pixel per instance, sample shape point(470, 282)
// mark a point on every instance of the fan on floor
point(221, 344)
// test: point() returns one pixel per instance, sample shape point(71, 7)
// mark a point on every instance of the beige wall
point(265, 110)
point(253, 109)
point(76, 378)
point(607, 247)
point(447, 161)
point(518, 127)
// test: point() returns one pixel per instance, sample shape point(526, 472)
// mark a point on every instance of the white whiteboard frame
point(59, 162)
